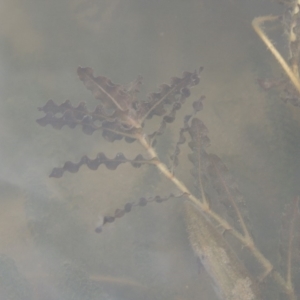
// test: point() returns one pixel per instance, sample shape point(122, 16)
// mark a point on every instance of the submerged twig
point(257, 25)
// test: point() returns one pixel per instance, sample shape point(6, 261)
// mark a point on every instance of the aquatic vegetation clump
point(122, 115)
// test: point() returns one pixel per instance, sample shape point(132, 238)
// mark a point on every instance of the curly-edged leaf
point(181, 141)
point(211, 176)
point(165, 120)
point(69, 119)
point(54, 108)
point(111, 95)
point(176, 92)
point(113, 129)
point(74, 115)
point(197, 106)
point(119, 213)
point(93, 164)
point(198, 144)
point(78, 111)
point(229, 194)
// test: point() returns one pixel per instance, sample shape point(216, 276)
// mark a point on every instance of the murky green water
point(48, 246)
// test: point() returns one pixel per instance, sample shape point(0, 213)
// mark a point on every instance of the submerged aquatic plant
point(119, 115)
